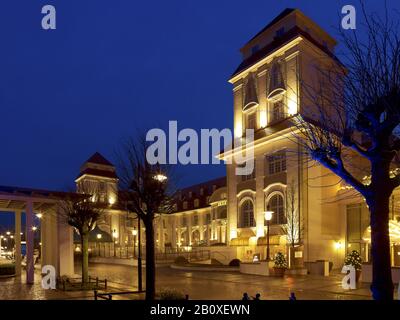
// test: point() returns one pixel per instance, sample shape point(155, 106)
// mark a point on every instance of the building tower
point(268, 90)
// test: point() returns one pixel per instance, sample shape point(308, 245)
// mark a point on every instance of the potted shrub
point(280, 264)
point(354, 259)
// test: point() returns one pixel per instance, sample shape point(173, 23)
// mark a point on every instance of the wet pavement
point(198, 285)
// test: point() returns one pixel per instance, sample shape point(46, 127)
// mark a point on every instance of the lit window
point(247, 214)
point(275, 204)
point(251, 120)
point(276, 162)
point(196, 203)
point(185, 205)
point(250, 176)
point(277, 111)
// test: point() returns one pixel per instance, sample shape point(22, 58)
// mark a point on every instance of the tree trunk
point(378, 202)
point(150, 261)
point(85, 258)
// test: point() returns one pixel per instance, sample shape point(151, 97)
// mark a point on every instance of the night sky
point(114, 66)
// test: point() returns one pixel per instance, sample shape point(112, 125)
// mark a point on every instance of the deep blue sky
point(113, 66)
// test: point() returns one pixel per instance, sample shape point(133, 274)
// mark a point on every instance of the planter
point(358, 275)
point(279, 272)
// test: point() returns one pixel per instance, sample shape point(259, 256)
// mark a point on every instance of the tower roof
point(99, 166)
point(97, 158)
point(279, 17)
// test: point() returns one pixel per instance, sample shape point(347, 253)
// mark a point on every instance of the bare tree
point(353, 114)
point(82, 212)
point(294, 226)
point(147, 187)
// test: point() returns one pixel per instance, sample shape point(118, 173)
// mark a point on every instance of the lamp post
point(268, 217)
point(115, 236)
point(98, 237)
point(1, 242)
point(139, 259)
point(134, 233)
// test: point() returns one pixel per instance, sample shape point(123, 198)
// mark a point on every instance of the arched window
point(247, 214)
point(276, 204)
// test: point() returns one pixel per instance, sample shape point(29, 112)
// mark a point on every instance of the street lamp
point(160, 177)
point(134, 233)
point(268, 217)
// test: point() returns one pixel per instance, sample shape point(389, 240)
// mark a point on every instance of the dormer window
point(280, 32)
point(255, 48)
point(276, 82)
point(250, 93)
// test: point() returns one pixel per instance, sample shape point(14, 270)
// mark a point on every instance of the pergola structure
point(56, 234)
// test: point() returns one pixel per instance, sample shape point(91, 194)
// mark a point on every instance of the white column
point(201, 225)
point(208, 231)
point(49, 239)
point(189, 228)
point(259, 203)
point(161, 234)
point(29, 236)
point(173, 231)
point(17, 238)
point(232, 209)
point(65, 247)
point(178, 229)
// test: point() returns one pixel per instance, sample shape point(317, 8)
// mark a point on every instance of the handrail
point(109, 295)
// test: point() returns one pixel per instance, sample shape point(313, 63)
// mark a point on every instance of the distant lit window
point(185, 205)
point(196, 203)
point(195, 220)
point(208, 218)
point(201, 191)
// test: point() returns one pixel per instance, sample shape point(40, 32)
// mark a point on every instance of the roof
point(207, 186)
point(97, 158)
point(280, 16)
point(279, 42)
point(98, 173)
